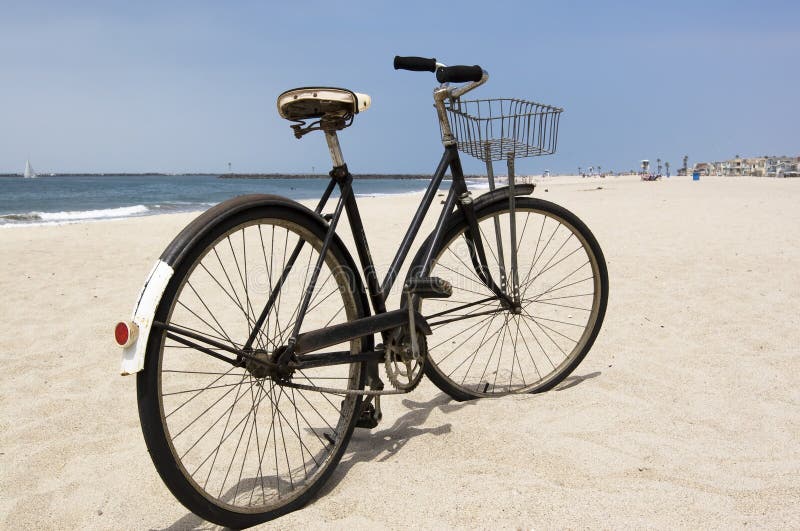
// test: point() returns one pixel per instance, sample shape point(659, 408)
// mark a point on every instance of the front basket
point(495, 129)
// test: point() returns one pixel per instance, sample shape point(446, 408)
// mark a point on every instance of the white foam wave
point(77, 215)
point(391, 194)
point(479, 185)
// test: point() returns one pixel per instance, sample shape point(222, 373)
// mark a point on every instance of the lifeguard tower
point(646, 175)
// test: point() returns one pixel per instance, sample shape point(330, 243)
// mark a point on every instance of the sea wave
point(179, 206)
point(479, 184)
point(390, 194)
point(74, 215)
point(119, 212)
point(77, 216)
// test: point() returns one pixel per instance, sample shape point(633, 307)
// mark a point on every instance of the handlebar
point(459, 74)
point(415, 64)
point(474, 76)
point(444, 74)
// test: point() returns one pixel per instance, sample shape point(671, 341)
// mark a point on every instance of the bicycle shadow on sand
point(368, 446)
point(383, 444)
point(572, 381)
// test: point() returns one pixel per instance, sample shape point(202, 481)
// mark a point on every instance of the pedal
point(370, 416)
point(429, 287)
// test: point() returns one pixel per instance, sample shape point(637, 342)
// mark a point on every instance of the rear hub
point(259, 364)
point(262, 364)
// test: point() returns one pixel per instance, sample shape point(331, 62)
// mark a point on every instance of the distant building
point(704, 168)
point(755, 167)
point(782, 166)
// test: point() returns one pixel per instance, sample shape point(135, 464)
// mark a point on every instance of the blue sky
point(191, 86)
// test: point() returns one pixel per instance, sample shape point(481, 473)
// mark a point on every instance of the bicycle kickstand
point(371, 414)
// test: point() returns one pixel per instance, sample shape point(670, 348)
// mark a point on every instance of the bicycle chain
point(395, 346)
point(344, 392)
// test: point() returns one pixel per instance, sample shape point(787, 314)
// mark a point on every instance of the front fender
point(501, 194)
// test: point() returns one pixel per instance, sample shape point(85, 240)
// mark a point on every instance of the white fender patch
point(143, 313)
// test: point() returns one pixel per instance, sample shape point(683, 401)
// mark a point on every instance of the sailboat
point(29, 173)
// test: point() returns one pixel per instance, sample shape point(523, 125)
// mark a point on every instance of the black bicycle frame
point(379, 292)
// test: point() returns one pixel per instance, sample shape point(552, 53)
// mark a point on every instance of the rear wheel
point(233, 444)
point(479, 348)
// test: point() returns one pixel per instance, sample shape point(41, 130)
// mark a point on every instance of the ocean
point(80, 198)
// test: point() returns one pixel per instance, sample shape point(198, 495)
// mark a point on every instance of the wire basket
point(493, 129)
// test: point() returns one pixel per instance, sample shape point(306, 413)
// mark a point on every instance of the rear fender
point(133, 357)
point(143, 312)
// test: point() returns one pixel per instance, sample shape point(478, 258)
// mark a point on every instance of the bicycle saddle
point(316, 102)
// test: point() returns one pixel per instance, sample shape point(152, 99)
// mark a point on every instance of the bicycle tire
point(443, 377)
point(160, 434)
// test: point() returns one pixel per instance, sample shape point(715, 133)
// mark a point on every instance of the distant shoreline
point(391, 176)
point(112, 174)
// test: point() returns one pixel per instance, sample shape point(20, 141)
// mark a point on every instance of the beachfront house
point(782, 166)
point(767, 166)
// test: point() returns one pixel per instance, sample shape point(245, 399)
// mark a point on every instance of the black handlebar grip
point(415, 64)
point(459, 74)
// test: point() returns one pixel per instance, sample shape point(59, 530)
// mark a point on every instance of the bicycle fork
point(475, 245)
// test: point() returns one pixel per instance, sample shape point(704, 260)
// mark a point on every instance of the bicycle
point(253, 338)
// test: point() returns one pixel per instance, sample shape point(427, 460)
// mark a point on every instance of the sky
point(191, 86)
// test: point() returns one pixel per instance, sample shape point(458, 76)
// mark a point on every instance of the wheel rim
point(493, 351)
point(246, 443)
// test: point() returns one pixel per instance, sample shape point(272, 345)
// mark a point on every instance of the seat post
point(334, 148)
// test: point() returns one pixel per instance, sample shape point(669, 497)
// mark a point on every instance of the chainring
point(403, 371)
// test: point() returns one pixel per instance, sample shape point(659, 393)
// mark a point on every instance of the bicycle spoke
point(555, 286)
point(514, 352)
point(198, 393)
point(546, 245)
point(501, 333)
point(228, 411)
point(469, 268)
point(201, 389)
point(204, 333)
point(473, 356)
point(243, 279)
point(477, 349)
point(235, 301)
point(527, 348)
point(477, 330)
point(535, 338)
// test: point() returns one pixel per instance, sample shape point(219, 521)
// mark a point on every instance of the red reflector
point(121, 333)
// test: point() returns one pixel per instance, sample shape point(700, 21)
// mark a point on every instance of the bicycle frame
point(382, 320)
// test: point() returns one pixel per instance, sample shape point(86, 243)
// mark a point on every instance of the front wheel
point(482, 348)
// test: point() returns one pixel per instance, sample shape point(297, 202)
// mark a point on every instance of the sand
point(685, 413)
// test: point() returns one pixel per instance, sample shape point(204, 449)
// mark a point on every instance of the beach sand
point(686, 413)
